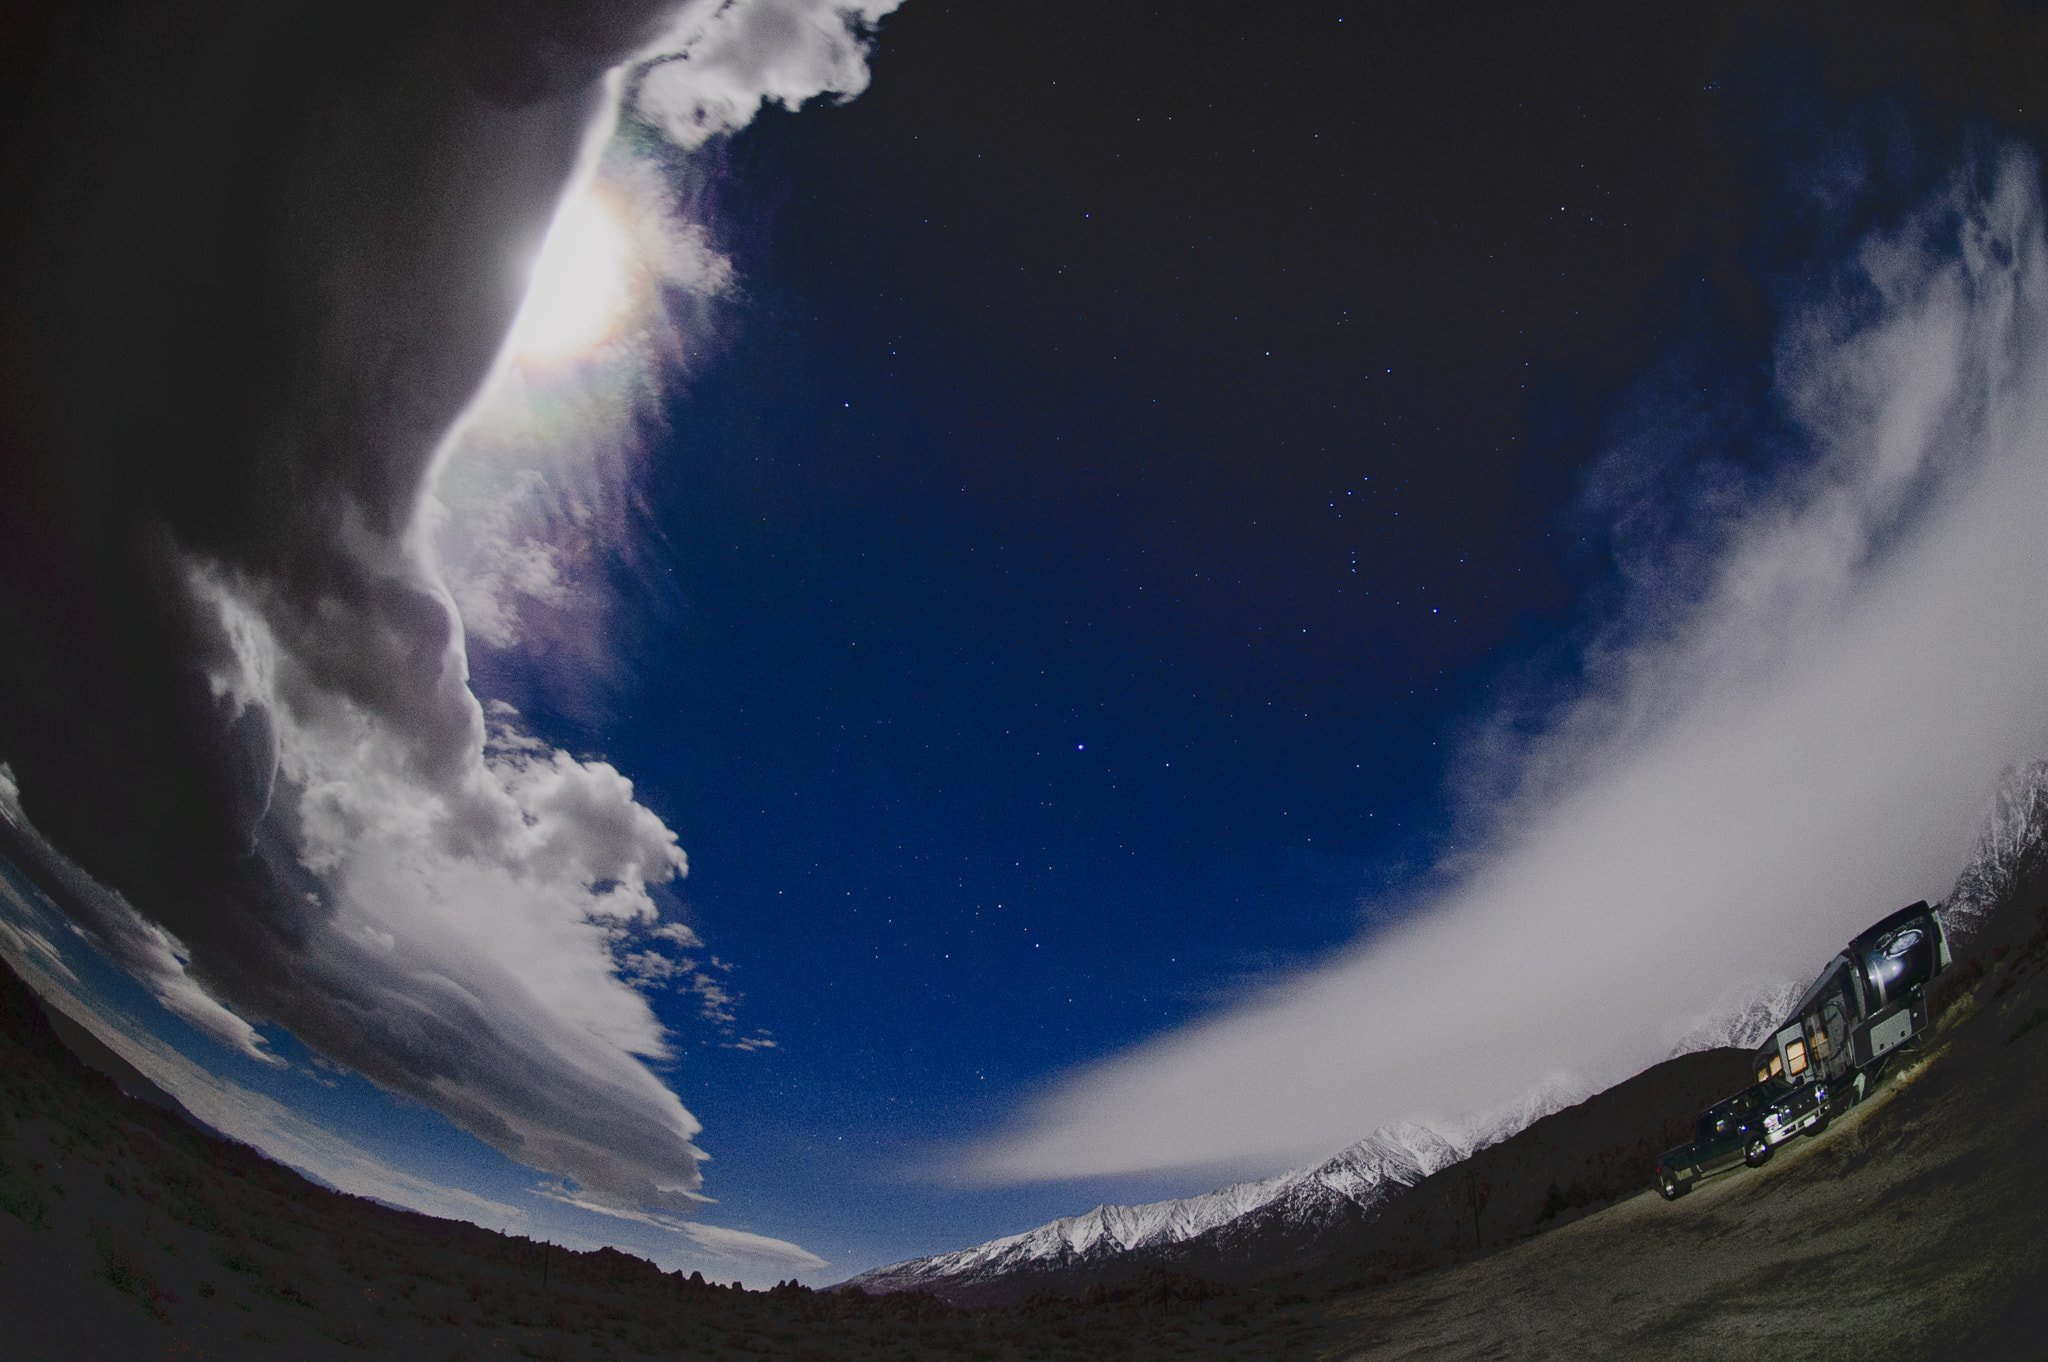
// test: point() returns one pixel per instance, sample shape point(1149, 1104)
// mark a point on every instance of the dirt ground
point(1915, 1227)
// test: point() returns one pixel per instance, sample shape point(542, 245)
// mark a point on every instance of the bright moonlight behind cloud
point(582, 281)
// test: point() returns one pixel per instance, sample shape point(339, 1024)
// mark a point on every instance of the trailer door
point(1827, 1036)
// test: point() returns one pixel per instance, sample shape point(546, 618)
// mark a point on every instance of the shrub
point(122, 1268)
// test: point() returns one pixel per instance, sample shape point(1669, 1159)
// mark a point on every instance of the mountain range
point(1298, 1218)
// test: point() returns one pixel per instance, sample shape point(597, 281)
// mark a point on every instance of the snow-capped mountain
point(1556, 1092)
point(2012, 850)
point(1745, 1020)
point(1300, 1208)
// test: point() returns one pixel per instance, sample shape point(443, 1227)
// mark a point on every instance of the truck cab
point(1730, 1132)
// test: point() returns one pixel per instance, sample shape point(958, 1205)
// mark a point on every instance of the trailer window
point(1795, 1057)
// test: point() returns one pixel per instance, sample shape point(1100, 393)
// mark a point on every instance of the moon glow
point(582, 285)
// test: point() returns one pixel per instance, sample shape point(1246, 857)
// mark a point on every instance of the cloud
point(153, 956)
point(533, 500)
point(233, 1110)
point(739, 1247)
point(256, 510)
point(534, 510)
point(720, 65)
point(1782, 739)
point(756, 1249)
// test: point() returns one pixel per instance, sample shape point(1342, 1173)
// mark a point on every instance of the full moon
point(582, 282)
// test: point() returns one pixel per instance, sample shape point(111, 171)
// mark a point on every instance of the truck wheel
point(1758, 1153)
point(1818, 1126)
point(1669, 1186)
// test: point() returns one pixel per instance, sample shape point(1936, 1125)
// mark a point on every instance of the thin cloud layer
point(1775, 750)
point(238, 719)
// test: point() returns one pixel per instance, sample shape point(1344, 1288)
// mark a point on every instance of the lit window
point(1763, 1075)
point(1795, 1057)
point(1777, 1065)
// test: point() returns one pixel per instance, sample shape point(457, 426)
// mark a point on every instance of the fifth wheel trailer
point(1868, 1001)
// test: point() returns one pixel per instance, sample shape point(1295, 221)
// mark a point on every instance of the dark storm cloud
point(259, 259)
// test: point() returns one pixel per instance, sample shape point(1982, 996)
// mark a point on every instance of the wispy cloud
point(233, 1110)
point(1795, 732)
point(756, 1249)
point(742, 1248)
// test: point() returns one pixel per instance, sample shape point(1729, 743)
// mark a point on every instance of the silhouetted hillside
point(127, 1232)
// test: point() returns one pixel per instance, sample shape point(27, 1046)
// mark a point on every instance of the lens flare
point(582, 285)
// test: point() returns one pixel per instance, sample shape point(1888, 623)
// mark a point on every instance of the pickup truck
point(1805, 1108)
point(1730, 1132)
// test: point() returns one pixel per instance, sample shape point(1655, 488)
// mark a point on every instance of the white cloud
point(738, 1247)
point(534, 493)
point(1761, 768)
point(16, 942)
point(718, 65)
point(156, 959)
point(755, 1249)
point(459, 947)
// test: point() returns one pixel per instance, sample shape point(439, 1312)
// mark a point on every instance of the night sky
point(1154, 472)
point(1144, 450)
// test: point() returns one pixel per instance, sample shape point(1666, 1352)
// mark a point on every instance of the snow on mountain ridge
point(1362, 1175)
point(1101, 1232)
point(1473, 1133)
point(1744, 1019)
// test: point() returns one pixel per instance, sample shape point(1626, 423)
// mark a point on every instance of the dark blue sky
point(1145, 446)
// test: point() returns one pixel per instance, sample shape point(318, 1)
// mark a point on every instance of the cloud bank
point(1781, 743)
point(237, 715)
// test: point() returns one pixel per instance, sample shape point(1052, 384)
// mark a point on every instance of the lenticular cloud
point(261, 778)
